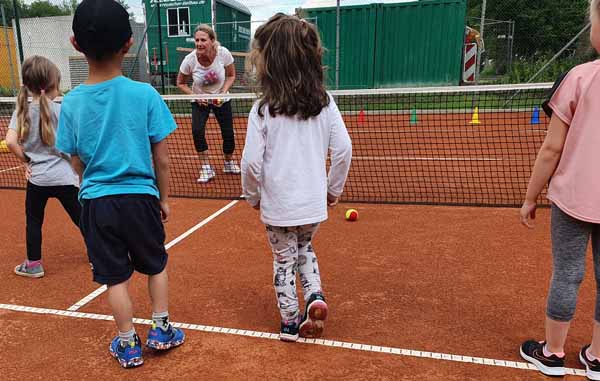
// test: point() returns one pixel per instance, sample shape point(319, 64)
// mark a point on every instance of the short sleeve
point(66, 138)
point(160, 121)
point(186, 65)
point(226, 56)
point(564, 101)
point(13, 121)
point(546, 104)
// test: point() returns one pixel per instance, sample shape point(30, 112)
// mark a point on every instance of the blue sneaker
point(312, 324)
point(128, 356)
point(289, 330)
point(163, 340)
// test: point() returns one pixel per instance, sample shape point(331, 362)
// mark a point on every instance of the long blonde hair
point(40, 75)
point(287, 56)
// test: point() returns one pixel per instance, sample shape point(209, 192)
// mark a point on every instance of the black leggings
point(224, 116)
point(35, 204)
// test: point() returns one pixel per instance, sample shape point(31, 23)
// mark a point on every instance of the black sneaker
point(289, 331)
point(533, 351)
point(316, 311)
point(592, 368)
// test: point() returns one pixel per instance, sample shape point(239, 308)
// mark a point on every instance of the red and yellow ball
point(351, 215)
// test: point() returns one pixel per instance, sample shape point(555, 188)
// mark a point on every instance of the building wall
point(233, 32)
point(49, 37)
point(389, 45)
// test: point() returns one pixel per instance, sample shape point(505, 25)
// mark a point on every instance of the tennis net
point(448, 145)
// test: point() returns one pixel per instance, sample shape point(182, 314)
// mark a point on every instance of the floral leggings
point(292, 253)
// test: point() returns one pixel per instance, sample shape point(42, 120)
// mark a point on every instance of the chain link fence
point(530, 41)
point(521, 41)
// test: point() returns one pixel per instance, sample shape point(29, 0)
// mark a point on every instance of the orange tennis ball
point(351, 215)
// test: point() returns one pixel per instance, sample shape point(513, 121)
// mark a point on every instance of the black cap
point(101, 27)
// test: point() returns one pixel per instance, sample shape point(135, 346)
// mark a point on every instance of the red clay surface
point(458, 280)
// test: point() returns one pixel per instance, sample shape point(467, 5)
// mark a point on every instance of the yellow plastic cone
point(3, 147)
point(475, 118)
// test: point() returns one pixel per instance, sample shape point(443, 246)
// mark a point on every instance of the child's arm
point(340, 147)
point(78, 166)
point(12, 142)
point(252, 160)
point(545, 165)
point(160, 157)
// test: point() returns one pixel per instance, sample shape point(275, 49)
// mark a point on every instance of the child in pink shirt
point(568, 159)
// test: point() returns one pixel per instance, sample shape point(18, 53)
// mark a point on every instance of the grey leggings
point(570, 239)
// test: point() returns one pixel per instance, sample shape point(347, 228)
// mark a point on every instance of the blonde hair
point(40, 75)
point(208, 30)
point(287, 55)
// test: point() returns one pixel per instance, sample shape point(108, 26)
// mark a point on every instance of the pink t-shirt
point(575, 185)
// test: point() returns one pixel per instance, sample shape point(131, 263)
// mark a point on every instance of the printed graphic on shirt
point(210, 78)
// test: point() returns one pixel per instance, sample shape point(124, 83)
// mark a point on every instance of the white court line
point(103, 288)
point(11, 169)
point(323, 342)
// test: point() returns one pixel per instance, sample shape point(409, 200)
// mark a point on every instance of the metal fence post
point(160, 50)
point(18, 29)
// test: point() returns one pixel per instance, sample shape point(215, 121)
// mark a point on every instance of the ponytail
point(23, 122)
point(46, 122)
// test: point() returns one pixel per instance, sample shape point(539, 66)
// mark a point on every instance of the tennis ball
point(3, 147)
point(351, 215)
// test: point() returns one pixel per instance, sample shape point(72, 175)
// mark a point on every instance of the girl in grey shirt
point(30, 138)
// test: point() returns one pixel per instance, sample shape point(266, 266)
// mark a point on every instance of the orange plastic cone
point(361, 117)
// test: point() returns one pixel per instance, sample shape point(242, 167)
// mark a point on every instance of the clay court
point(417, 291)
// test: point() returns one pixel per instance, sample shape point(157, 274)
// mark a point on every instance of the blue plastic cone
point(535, 117)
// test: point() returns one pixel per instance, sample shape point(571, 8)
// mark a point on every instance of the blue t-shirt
point(111, 126)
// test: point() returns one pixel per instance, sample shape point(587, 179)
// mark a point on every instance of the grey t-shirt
point(49, 167)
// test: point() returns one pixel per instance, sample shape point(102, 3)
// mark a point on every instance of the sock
point(590, 356)
point(33, 263)
point(161, 319)
point(127, 337)
point(547, 353)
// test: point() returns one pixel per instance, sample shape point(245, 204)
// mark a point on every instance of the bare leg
point(120, 303)
point(556, 335)
point(595, 347)
point(158, 287)
point(203, 156)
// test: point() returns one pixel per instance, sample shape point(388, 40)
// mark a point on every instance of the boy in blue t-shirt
point(115, 130)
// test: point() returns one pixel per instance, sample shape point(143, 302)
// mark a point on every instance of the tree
point(126, 6)
point(43, 8)
point(541, 26)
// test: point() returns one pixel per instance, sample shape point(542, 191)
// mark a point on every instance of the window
point(178, 21)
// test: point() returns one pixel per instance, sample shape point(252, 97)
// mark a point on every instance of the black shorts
point(123, 233)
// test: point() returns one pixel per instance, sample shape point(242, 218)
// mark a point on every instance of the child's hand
point(165, 210)
point(528, 212)
point(202, 102)
point(257, 206)
point(331, 200)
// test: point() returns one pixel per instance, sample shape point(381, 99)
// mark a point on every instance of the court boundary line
point(322, 342)
point(99, 291)
point(11, 169)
